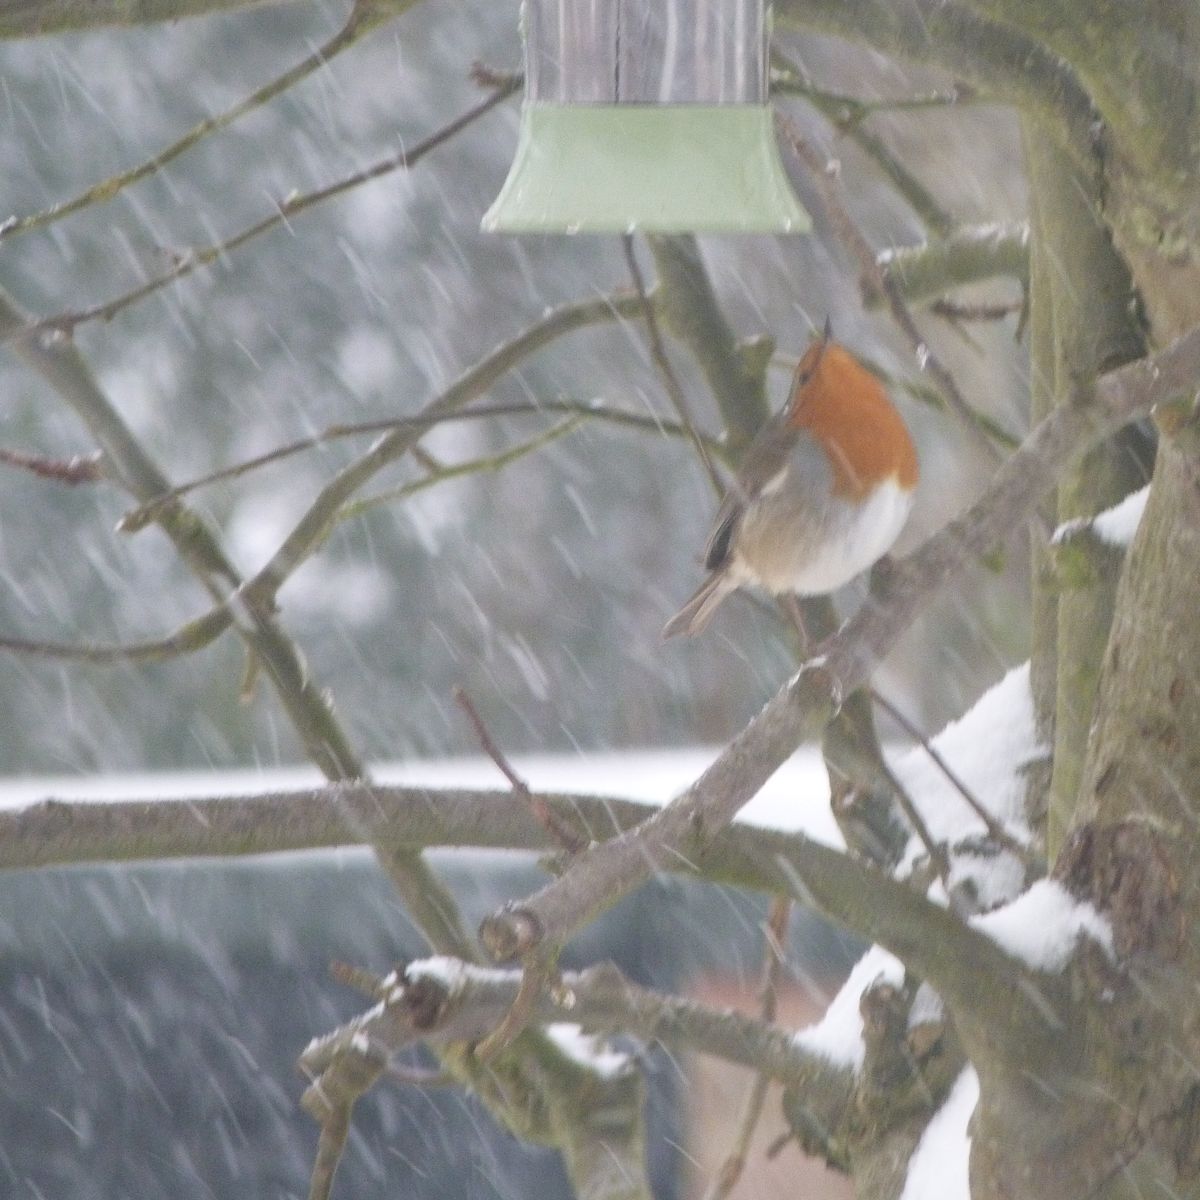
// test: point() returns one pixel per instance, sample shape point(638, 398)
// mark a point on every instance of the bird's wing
point(768, 454)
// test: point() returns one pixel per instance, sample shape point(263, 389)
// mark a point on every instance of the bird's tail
point(697, 612)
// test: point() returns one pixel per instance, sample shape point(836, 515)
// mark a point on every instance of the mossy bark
point(1087, 322)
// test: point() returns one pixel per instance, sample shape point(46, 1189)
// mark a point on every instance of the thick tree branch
point(687, 305)
point(994, 58)
point(968, 255)
point(440, 1002)
point(600, 877)
point(1120, 52)
point(59, 832)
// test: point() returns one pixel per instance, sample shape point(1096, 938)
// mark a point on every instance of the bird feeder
point(646, 114)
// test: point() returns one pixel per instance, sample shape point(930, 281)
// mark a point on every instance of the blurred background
point(542, 588)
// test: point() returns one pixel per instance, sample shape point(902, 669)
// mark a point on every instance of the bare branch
point(995, 59)
point(662, 360)
point(286, 210)
point(968, 255)
point(735, 372)
point(82, 468)
point(589, 410)
point(186, 640)
point(602, 875)
point(441, 472)
point(36, 18)
point(443, 1002)
point(312, 528)
point(847, 116)
point(562, 833)
point(59, 362)
point(955, 310)
point(364, 16)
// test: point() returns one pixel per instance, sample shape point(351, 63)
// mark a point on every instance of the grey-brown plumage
point(821, 494)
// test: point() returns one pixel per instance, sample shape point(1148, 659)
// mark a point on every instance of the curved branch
point(688, 307)
point(999, 61)
point(596, 879)
point(195, 635)
point(968, 255)
point(60, 832)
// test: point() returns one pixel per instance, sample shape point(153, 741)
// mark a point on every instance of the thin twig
point(847, 116)
point(788, 80)
point(139, 517)
point(774, 937)
point(202, 256)
point(367, 982)
point(335, 1129)
point(193, 636)
point(938, 855)
point(107, 189)
point(545, 816)
point(442, 472)
point(955, 310)
point(658, 351)
point(535, 978)
point(995, 830)
point(876, 282)
point(81, 468)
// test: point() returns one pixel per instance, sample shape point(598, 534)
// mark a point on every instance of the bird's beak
point(827, 332)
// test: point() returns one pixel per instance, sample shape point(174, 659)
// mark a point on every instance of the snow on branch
point(598, 878)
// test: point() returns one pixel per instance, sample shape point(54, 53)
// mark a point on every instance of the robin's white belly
point(812, 557)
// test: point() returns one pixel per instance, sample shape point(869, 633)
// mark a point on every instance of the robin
point(822, 492)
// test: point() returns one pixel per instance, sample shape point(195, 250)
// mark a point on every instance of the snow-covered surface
point(451, 973)
point(795, 798)
point(838, 1035)
point(988, 749)
point(1114, 526)
point(1118, 524)
point(938, 1169)
point(588, 1049)
point(1043, 926)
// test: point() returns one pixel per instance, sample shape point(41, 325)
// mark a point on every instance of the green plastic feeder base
point(662, 168)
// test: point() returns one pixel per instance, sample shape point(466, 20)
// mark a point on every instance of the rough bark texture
point(1084, 293)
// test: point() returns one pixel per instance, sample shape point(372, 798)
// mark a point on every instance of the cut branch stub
point(510, 933)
